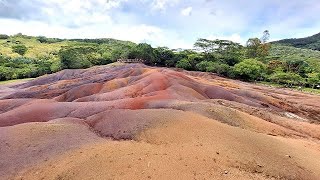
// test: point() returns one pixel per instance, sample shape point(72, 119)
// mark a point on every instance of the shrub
point(20, 49)
point(203, 65)
point(184, 64)
point(313, 79)
point(4, 36)
point(77, 57)
point(250, 69)
point(287, 78)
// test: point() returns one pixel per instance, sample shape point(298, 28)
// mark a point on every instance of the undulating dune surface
point(132, 121)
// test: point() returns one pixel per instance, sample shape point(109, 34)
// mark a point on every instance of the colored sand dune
point(138, 122)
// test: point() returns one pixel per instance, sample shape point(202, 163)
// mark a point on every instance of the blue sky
point(172, 23)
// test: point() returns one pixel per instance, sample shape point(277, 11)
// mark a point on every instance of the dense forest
point(311, 42)
point(24, 56)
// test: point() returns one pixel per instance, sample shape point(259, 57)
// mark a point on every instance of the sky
point(171, 23)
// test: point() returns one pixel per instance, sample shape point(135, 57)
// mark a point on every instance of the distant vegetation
point(27, 57)
point(312, 42)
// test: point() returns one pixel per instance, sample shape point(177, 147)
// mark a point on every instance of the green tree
point(258, 48)
point(219, 68)
point(252, 47)
point(313, 79)
point(20, 49)
point(297, 65)
point(250, 69)
point(265, 37)
point(78, 57)
point(287, 78)
point(203, 65)
point(184, 64)
point(119, 53)
point(4, 36)
point(143, 51)
point(162, 54)
point(227, 52)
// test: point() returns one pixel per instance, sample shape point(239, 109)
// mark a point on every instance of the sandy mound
point(138, 122)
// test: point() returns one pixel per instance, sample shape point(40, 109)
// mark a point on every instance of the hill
point(42, 46)
point(281, 52)
point(311, 42)
point(132, 121)
point(42, 55)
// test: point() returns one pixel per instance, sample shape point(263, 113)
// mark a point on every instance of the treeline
point(225, 58)
point(252, 62)
point(312, 42)
point(22, 67)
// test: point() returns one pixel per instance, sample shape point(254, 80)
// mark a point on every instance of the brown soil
point(137, 122)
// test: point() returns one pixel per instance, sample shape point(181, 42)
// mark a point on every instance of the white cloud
point(234, 37)
point(80, 12)
point(135, 33)
point(160, 22)
point(162, 5)
point(186, 11)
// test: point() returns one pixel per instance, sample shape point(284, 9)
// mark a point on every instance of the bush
point(4, 36)
point(221, 69)
point(20, 49)
point(184, 64)
point(143, 51)
point(76, 57)
point(203, 65)
point(43, 39)
point(250, 69)
point(287, 78)
point(313, 79)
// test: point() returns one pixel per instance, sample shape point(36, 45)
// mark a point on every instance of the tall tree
point(253, 45)
point(265, 37)
point(227, 51)
point(258, 48)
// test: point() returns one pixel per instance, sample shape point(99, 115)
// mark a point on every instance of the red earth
point(132, 121)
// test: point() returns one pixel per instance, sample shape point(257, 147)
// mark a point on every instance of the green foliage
point(79, 57)
point(257, 49)
point(20, 49)
point(272, 62)
point(203, 65)
point(143, 51)
point(44, 56)
point(312, 42)
point(4, 36)
point(184, 64)
point(224, 51)
point(22, 67)
point(215, 67)
point(313, 79)
point(287, 78)
point(43, 39)
point(162, 55)
point(221, 69)
point(297, 66)
point(250, 69)
point(253, 45)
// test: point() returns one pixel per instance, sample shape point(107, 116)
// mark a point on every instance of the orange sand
point(138, 122)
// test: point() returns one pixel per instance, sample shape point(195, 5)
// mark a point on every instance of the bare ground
point(138, 122)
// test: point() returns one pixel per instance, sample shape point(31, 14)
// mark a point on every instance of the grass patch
point(15, 81)
point(303, 89)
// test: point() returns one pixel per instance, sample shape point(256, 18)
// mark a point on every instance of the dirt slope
point(137, 122)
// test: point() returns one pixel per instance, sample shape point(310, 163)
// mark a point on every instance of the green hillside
point(24, 56)
point(42, 46)
point(311, 42)
point(285, 53)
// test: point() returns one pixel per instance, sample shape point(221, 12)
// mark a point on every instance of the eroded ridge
point(134, 121)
